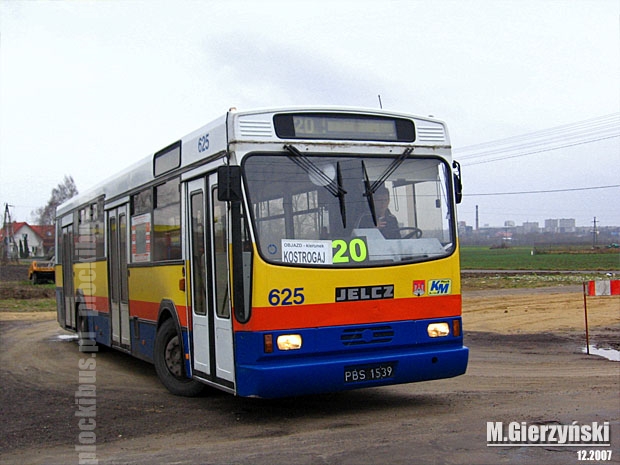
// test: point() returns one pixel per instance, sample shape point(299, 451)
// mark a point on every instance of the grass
point(23, 296)
point(521, 258)
point(28, 305)
point(555, 267)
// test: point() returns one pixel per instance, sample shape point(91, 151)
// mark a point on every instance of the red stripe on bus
point(349, 313)
point(150, 311)
point(98, 303)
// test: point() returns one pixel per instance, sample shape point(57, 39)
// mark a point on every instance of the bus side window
point(141, 208)
point(167, 221)
point(220, 251)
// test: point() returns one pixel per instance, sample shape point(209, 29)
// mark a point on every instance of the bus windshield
point(349, 210)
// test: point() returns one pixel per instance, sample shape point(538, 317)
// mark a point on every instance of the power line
point(570, 135)
point(606, 122)
point(603, 123)
point(506, 157)
point(544, 191)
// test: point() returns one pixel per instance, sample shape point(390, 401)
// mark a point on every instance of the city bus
point(274, 253)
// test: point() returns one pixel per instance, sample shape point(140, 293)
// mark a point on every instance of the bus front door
point(118, 252)
point(212, 344)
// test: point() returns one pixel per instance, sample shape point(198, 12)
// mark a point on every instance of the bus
point(275, 253)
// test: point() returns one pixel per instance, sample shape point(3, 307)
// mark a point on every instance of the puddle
point(609, 354)
point(64, 338)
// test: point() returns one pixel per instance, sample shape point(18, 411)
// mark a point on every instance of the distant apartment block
point(564, 225)
point(531, 227)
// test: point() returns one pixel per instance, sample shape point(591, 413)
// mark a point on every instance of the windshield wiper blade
point(341, 192)
point(389, 170)
point(370, 189)
point(368, 194)
point(311, 169)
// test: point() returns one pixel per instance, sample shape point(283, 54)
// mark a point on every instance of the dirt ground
point(526, 364)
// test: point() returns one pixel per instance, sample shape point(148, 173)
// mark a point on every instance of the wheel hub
point(173, 357)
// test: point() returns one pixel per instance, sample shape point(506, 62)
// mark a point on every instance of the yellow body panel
point(58, 270)
point(155, 283)
point(319, 283)
point(91, 278)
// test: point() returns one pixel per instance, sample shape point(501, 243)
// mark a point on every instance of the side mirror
point(229, 183)
point(458, 185)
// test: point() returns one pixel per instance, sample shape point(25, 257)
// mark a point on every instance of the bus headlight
point(289, 342)
point(438, 329)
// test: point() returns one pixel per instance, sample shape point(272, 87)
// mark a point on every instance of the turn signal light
point(268, 343)
point(456, 328)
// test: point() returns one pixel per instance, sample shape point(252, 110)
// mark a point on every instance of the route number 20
point(355, 250)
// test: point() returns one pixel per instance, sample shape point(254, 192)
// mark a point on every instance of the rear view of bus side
point(275, 253)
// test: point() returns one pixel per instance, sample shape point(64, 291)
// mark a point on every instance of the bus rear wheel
point(169, 363)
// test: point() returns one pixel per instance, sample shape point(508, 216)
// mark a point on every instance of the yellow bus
point(275, 253)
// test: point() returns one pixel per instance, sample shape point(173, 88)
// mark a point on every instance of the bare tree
point(64, 191)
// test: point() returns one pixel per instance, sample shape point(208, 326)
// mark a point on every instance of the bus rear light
point(289, 342)
point(438, 329)
point(456, 328)
point(268, 343)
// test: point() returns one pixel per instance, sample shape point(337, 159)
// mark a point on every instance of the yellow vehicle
point(275, 253)
point(41, 271)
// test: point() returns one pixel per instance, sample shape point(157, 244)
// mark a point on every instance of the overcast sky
point(88, 87)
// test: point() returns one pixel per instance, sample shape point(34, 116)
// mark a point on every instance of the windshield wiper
point(368, 194)
point(341, 192)
point(388, 171)
point(311, 169)
point(370, 189)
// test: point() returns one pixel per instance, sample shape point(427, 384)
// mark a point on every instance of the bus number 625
point(286, 296)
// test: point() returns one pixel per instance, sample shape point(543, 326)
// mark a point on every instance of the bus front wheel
point(169, 362)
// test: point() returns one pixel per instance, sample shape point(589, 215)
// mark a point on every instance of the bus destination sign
point(343, 127)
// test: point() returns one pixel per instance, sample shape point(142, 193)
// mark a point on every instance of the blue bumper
point(343, 358)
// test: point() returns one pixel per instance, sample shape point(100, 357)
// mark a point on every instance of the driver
point(386, 222)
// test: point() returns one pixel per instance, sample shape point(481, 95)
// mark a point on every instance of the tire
point(85, 341)
point(35, 278)
point(81, 324)
point(169, 362)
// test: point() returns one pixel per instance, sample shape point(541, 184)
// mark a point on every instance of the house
point(40, 238)
point(47, 232)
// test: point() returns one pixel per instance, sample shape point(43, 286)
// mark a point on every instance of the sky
point(529, 89)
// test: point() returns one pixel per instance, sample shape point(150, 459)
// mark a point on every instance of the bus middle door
point(118, 243)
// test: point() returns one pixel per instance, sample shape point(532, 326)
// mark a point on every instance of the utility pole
point(477, 218)
point(8, 241)
point(594, 234)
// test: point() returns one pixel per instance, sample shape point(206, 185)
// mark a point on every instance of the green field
point(521, 258)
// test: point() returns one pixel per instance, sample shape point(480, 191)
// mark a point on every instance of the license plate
point(358, 374)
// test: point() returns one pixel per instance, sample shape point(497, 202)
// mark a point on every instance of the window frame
point(450, 204)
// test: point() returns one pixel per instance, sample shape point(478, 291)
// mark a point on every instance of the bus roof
point(242, 126)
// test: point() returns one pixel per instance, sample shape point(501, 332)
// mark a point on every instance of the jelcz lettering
point(350, 294)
